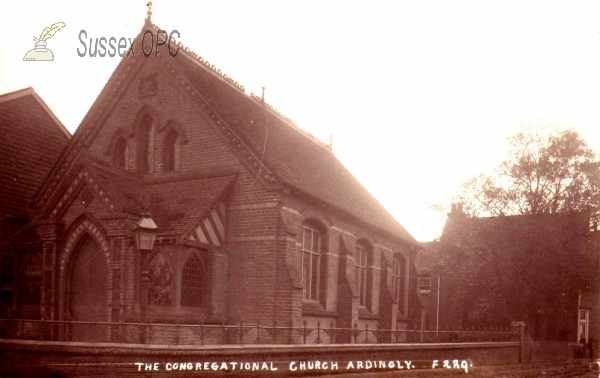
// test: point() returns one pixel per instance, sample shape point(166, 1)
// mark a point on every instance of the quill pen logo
point(40, 52)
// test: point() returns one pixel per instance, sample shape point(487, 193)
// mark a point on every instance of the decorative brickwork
point(235, 189)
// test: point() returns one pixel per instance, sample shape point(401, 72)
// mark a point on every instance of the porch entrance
point(88, 292)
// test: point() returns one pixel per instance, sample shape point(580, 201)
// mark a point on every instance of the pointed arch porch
point(84, 280)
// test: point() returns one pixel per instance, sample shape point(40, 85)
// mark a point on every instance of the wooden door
point(88, 292)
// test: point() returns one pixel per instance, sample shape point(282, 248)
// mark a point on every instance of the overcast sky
point(419, 95)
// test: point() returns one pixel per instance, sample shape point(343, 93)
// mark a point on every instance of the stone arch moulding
point(294, 226)
point(177, 126)
point(315, 216)
point(121, 132)
point(365, 235)
point(85, 224)
point(145, 110)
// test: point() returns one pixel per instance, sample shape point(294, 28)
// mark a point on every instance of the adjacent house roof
point(510, 231)
point(31, 142)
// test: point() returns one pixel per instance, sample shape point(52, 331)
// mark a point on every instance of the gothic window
point(363, 273)
point(399, 280)
point(121, 152)
point(171, 151)
point(311, 262)
point(160, 291)
point(192, 281)
point(143, 144)
point(31, 282)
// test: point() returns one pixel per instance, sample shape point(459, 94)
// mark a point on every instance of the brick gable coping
point(267, 143)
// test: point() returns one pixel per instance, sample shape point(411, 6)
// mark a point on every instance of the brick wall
point(122, 358)
point(256, 276)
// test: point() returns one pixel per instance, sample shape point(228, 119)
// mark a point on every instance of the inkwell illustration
point(40, 52)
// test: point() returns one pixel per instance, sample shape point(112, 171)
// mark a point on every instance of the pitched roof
point(295, 157)
point(180, 204)
point(175, 205)
point(510, 229)
point(277, 147)
point(31, 141)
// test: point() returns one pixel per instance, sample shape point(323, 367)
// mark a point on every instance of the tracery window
point(192, 282)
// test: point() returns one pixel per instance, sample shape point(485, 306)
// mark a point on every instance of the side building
point(32, 140)
point(252, 219)
point(540, 269)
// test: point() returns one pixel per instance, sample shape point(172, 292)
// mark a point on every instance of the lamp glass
point(145, 234)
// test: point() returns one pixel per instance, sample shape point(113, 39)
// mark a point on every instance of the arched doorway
point(88, 291)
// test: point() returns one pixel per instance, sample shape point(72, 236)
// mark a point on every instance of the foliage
point(546, 171)
point(530, 266)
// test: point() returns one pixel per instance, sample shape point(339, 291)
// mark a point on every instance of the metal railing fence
point(179, 333)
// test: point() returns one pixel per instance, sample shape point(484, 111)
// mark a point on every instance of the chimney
point(456, 211)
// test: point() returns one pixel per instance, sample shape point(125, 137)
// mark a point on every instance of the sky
point(419, 96)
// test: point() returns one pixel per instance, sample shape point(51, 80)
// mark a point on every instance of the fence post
point(258, 332)
point(202, 332)
point(519, 328)
point(223, 333)
point(318, 340)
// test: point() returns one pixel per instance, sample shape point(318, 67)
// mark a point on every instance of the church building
point(181, 199)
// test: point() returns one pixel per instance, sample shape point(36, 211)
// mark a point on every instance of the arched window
point(171, 151)
point(362, 263)
point(161, 275)
point(121, 153)
point(192, 282)
point(399, 280)
point(311, 261)
point(143, 144)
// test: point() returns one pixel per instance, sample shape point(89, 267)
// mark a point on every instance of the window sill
point(314, 308)
point(363, 313)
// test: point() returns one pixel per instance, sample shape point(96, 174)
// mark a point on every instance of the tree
point(530, 266)
point(546, 172)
